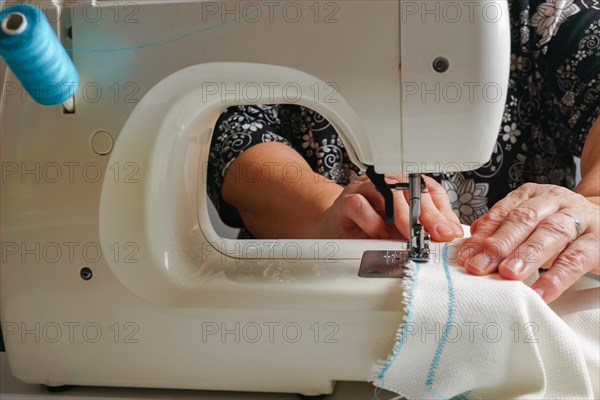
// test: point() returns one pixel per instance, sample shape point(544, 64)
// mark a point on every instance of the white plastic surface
point(450, 121)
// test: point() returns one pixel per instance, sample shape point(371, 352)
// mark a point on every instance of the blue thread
point(37, 58)
point(168, 41)
point(451, 308)
point(404, 330)
point(147, 45)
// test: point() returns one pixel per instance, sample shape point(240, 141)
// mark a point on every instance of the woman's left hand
point(537, 226)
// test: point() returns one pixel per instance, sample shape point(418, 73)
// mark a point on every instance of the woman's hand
point(313, 207)
point(358, 213)
point(535, 227)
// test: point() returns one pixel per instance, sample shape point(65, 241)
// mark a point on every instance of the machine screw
point(85, 273)
point(441, 64)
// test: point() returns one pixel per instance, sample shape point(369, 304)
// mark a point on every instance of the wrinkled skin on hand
point(529, 230)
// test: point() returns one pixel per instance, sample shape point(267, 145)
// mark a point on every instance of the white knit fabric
point(485, 337)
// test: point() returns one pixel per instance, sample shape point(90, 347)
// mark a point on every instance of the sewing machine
point(112, 273)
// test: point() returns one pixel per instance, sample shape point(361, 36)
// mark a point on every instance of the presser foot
point(418, 245)
point(419, 255)
point(390, 264)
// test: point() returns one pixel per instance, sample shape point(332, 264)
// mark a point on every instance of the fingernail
point(444, 230)
point(467, 252)
point(458, 230)
point(480, 263)
point(463, 253)
point(540, 292)
point(516, 265)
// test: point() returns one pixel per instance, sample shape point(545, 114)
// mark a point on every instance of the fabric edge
point(378, 371)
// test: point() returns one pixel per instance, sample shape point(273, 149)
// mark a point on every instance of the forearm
point(277, 194)
point(590, 166)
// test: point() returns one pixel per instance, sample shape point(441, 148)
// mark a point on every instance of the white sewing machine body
point(120, 188)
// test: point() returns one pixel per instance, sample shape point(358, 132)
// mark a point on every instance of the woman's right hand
point(313, 207)
point(358, 213)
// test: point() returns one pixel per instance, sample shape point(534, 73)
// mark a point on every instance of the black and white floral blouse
point(553, 101)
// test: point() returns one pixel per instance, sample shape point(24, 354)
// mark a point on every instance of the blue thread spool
point(35, 55)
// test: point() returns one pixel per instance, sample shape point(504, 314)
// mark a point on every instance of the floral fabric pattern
point(468, 199)
point(550, 16)
point(304, 130)
point(552, 102)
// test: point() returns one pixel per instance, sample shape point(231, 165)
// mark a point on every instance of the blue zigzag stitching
point(451, 309)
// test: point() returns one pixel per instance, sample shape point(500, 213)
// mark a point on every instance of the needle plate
point(383, 264)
